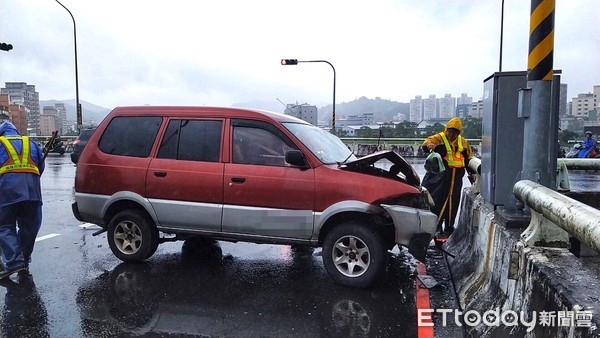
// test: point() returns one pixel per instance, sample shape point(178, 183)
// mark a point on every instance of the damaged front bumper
point(414, 227)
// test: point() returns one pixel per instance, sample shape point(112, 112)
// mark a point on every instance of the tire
point(340, 247)
point(132, 236)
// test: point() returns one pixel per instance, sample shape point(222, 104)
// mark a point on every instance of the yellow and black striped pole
point(541, 41)
point(539, 139)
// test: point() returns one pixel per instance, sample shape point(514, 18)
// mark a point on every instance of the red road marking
point(422, 295)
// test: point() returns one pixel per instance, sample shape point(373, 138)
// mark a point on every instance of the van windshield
point(324, 145)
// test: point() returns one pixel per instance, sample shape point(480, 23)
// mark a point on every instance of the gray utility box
point(502, 139)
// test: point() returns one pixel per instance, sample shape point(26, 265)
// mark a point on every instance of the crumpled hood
point(404, 167)
point(8, 129)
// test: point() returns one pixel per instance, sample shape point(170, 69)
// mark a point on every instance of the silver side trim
point(188, 215)
point(268, 222)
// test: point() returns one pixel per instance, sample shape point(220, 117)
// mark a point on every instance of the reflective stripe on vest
point(14, 164)
point(455, 160)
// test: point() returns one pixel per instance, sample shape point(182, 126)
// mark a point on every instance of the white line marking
point(46, 237)
point(87, 225)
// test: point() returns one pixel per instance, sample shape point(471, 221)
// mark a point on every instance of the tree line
point(472, 129)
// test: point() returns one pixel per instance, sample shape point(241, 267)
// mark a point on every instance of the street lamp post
point(79, 117)
point(287, 62)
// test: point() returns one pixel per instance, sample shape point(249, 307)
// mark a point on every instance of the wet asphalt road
point(78, 288)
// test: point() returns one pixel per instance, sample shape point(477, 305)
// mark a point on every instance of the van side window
point(130, 135)
point(192, 140)
point(258, 146)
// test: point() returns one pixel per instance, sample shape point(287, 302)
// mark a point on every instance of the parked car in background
point(80, 143)
point(248, 175)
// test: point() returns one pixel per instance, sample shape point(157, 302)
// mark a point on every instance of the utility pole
point(538, 164)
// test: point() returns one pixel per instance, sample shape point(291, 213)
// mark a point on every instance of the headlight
point(427, 196)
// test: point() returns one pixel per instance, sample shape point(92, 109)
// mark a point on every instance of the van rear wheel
point(354, 254)
point(132, 236)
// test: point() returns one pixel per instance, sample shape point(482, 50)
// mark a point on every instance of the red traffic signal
point(5, 46)
point(287, 62)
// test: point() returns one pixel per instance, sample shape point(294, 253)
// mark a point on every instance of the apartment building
point(16, 113)
point(62, 112)
point(4, 114)
point(444, 108)
point(464, 99)
point(303, 111)
point(476, 109)
point(359, 120)
point(20, 93)
point(430, 108)
point(447, 107)
point(415, 113)
point(582, 104)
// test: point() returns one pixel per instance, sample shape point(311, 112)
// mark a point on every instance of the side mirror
point(295, 158)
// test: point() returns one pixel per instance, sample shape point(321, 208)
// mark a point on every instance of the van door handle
point(238, 179)
point(160, 173)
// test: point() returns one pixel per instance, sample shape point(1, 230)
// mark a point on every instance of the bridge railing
point(68, 141)
point(406, 146)
point(396, 140)
point(566, 164)
point(554, 216)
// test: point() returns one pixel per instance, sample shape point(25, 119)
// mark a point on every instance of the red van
point(152, 174)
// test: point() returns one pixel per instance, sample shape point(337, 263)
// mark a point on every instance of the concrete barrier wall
point(492, 270)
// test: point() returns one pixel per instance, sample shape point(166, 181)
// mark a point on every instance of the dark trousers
point(19, 226)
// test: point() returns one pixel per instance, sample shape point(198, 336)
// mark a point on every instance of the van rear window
point(130, 135)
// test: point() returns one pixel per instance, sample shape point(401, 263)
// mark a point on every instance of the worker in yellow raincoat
point(445, 184)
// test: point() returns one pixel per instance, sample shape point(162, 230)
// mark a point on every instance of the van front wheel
point(354, 254)
point(132, 236)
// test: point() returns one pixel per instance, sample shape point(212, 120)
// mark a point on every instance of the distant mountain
point(91, 113)
point(383, 110)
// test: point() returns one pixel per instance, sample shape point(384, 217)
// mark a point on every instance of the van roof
point(204, 111)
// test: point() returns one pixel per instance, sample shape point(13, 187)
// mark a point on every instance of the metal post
point(79, 115)
point(294, 61)
point(537, 126)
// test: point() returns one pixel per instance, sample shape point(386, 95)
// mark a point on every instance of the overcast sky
point(200, 52)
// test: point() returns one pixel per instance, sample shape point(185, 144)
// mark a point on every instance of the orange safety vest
point(454, 159)
point(14, 163)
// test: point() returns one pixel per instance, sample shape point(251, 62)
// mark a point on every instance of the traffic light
point(287, 62)
point(5, 46)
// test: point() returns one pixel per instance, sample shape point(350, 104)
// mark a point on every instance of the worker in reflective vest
point(445, 185)
point(21, 164)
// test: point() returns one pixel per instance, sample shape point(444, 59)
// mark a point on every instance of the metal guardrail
point(551, 208)
point(564, 164)
point(580, 163)
point(68, 141)
point(397, 140)
point(404, 146)
point(47, 138)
